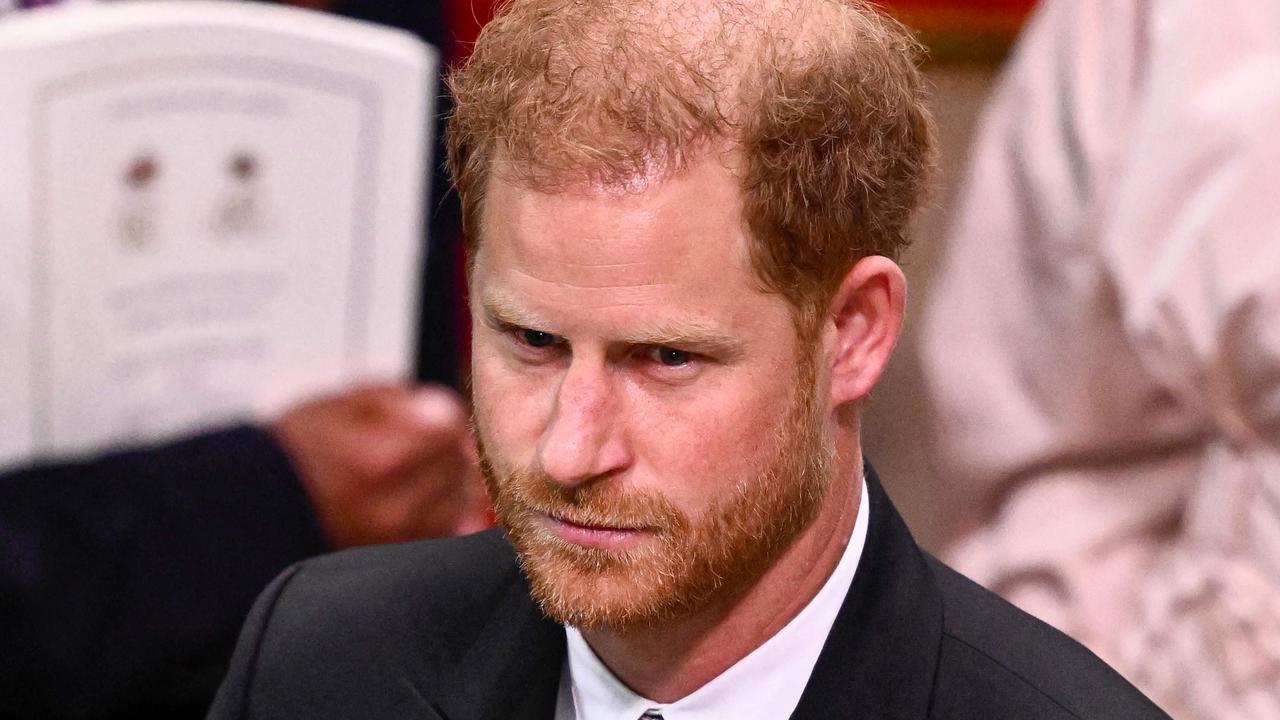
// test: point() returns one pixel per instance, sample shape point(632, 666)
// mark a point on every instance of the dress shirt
point(765, 684)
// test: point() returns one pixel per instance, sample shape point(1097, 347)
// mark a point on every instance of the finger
point(436, 406)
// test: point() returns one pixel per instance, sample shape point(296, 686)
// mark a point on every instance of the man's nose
point(584, 438)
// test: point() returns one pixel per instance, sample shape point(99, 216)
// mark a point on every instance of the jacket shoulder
point(376, 580)
point(372, 625)
point(997, 661)
point(435, 585)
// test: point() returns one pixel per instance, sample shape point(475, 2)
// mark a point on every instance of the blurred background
point(966, 43)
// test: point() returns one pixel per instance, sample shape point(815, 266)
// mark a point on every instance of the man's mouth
point(590, 525)
point(605, 536)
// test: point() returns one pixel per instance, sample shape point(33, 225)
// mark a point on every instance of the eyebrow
point(690, 334)
point(502, 314)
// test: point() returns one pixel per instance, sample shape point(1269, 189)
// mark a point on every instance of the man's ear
point(863, 323)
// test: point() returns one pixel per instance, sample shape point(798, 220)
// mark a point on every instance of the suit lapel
point(512, 671)
point(879, 659)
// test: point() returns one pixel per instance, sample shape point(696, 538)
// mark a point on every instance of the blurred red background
point(953, 30)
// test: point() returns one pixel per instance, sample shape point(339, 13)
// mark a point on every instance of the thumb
point(436, 406)
point(437, 413)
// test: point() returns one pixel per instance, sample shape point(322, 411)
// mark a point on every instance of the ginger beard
point(685, 563)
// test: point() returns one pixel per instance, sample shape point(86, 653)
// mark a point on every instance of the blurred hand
point(387, 463)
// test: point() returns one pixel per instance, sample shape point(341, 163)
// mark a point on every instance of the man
point(681, 219)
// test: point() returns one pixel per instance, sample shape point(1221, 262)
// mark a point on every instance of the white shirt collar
point(767, 683)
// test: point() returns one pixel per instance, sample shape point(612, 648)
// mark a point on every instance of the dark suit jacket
point(125, 578)
point(446, 629)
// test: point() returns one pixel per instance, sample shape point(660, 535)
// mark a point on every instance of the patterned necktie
point(651, 714)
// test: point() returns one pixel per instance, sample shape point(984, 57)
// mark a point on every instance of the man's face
point(648, 422)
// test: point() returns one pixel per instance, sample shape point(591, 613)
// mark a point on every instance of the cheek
point(696, 450)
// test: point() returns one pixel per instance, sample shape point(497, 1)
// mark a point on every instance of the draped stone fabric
point(1102, 348)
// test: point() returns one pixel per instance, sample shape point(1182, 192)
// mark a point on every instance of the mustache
point(598, 502)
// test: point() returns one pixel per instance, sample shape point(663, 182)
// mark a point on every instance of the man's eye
point(672, 357)
point(537, 338)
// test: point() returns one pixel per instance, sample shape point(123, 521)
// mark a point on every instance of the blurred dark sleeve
point(124, 580)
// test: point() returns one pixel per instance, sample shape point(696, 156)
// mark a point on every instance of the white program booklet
point(208, 210)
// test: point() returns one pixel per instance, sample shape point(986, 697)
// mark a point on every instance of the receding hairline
point(826, 102)
point(719, 50)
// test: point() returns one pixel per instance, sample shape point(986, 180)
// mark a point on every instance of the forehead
point(672, 244)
